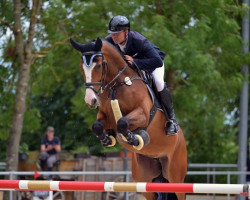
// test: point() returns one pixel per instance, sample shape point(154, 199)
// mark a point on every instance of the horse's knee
point(98, 128)
point(122, 125)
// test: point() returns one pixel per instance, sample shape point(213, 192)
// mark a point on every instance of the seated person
point(50, 147)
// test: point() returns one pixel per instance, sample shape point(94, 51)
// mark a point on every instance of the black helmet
point(118, 23)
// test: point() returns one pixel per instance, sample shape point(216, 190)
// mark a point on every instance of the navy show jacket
point(146, 55)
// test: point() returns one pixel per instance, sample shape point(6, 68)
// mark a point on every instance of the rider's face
point(50, 135)
point(119, 38)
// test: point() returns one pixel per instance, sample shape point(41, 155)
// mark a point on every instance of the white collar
point(122, 47)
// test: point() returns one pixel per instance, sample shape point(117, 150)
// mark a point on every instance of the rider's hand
point(129, 59)
point(49, 147)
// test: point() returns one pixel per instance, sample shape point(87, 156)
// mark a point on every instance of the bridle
point(105, 70)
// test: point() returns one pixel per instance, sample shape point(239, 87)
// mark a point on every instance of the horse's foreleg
point(98, 129)
point(122, 127)
point(133, 120)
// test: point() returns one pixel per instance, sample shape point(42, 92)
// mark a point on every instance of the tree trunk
point(171, 79)
point(25, 57)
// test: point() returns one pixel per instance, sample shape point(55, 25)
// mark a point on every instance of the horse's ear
point(76, 45)
point(98, 44)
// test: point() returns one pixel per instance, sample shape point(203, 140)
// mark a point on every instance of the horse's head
point(92, 69)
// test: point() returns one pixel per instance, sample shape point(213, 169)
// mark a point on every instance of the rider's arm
point(44, 148)
point(57, 147)
point(149, 58)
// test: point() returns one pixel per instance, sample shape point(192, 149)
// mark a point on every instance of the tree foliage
point(203, 45)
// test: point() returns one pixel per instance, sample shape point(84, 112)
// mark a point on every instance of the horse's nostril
point(93, 101)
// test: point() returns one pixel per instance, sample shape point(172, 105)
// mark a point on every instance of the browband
point(93, 54)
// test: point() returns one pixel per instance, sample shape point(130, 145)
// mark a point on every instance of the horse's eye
point(96, 59)
point(98, 67)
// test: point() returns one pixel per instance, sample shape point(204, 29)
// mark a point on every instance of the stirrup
point(166, 127)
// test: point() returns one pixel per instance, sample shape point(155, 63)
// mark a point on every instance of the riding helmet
point(118, 23)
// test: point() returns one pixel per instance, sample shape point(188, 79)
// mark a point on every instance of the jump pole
point(242, 189)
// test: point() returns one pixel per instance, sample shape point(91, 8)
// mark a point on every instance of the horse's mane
point(109, 49)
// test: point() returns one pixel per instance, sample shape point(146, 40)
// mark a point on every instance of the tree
point(203, 46)
point(203, 69)
point(23, 49)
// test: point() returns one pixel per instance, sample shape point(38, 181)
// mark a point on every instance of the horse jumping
point(125, 113)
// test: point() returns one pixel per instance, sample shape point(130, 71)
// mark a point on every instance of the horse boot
point(171, 127)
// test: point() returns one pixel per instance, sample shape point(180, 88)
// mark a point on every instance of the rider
point(138, 50)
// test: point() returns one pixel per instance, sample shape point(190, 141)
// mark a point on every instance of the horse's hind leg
point(177, 165)
point(145, 169)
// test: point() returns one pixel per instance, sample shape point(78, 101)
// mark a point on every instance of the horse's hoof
point(113, 141)
point(141, 143)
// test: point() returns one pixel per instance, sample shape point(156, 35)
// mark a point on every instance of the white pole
point(50, 195)
point(242, 153)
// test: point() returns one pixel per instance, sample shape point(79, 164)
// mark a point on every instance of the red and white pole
point(124, 187)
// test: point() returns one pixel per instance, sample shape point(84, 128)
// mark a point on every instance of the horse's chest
point(107, 112)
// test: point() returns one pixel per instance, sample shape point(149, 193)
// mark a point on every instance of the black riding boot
point(171, 127)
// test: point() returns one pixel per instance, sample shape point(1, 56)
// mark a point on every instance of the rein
point(105, 69)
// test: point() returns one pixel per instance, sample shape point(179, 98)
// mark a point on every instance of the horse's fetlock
point(132, 140)
point(122, 125)
point(106, 141)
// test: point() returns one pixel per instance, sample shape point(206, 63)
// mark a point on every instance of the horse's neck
point(115, 62)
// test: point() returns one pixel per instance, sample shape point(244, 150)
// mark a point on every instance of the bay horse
point(125, 106)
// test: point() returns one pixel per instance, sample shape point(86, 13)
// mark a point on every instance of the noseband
point(105, 69)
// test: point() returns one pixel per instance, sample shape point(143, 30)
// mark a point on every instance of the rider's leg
point(42, 164)
point(158, 75)
point(51, 161)
point(43, 158)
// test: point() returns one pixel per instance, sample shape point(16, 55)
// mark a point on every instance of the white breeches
point(158, 76)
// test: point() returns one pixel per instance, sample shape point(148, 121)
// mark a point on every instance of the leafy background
point(202, 68)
